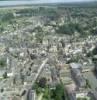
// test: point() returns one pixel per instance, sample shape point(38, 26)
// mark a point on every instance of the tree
point(2, 62)
point(95, 51)
point(39, 37)
point(14, 80)
point(42, 82)
point(58, 93)
point(5, 75)
point(22, 77)
point(63, 43)
point(2, 90)
point(88, 84)
point(65, 29)
point(7, 17)
point(1, 28)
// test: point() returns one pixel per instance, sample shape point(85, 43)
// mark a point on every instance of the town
point(48, 52)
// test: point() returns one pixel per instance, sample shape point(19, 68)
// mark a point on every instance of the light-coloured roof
point(75, 65)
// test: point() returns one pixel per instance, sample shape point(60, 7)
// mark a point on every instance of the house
point(75, 65)
point(65, 74)
point(74, 95)
point(88, 68)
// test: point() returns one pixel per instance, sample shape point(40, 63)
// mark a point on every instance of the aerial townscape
point(48, 51)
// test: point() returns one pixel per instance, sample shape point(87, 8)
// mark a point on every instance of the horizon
point(23, 2)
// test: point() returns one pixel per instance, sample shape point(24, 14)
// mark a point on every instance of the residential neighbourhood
point(48, 52)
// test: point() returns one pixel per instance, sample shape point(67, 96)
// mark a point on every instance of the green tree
point(2, 62)
point(42, 82)
point(5, 75)
point(39, 37)
point(58, 93)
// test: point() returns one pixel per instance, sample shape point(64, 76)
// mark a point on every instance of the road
point(28, 87)
point(39, 70)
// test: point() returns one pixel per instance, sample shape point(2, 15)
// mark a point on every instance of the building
point(77, 76)
point(74, 95)
point(88, 68)
point(31, 95)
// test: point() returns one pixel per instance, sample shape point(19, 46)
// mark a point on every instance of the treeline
point(70, 29)
point(6, 16)
point(42, 11)
point(73, 28)
point(4, 19)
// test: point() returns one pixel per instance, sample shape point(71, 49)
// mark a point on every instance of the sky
point(16, 2)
